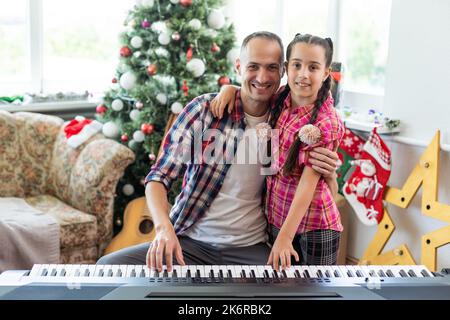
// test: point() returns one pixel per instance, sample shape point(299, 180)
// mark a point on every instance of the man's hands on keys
point(165, 245)
point(324, 161)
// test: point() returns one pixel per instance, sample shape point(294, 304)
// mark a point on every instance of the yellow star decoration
point(426, 173)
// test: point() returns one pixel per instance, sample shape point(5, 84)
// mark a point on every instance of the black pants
point(318, 247)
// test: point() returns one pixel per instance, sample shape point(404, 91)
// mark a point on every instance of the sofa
point(75, 186)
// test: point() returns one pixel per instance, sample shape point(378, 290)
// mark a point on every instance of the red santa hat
point(80, 130)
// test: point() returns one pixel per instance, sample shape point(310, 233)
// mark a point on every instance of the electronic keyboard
point(136, 282)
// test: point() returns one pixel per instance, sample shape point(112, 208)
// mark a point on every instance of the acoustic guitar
point(137, 226)
point(137, 221)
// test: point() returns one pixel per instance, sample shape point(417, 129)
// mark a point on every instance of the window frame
point(36, 50)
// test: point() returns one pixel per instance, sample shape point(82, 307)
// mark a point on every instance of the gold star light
point(426, 173)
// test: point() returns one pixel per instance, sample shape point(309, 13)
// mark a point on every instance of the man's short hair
point(265, 35)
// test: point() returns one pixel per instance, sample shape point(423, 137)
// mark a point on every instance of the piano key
point(85, 272)
point(290, 272)
point(201, 271)
point(411, 273)
point(313, 271)
point(321, 270)
point(176, 271)
point(425, 273)
point(35, 271)
point(344, 271)
point(330, 271)
point(337, 273)
point(254, 271)
point(184, 272)
point(396, 271)
point(192, 271)
point(60, 270)
point(365, 271)
point(137, 270)
point(246, 271)
point(223, 271)
point(232, 271)
point(268, 271)
point(208, 272)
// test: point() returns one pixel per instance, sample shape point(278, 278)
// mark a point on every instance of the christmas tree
point(171, 52)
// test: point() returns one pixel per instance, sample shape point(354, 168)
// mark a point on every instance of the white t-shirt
point(235, 217)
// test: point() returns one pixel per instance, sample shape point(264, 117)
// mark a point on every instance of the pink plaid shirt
point(322, 212)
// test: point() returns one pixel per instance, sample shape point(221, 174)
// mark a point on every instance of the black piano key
point(297, 274)
point(100, 273)
point(142, 273)
point(230, 275)
point(350, 273)
point(283, 272)
point(44, 272)
point(424, 273)
point(372, 273)
point(275, 274)
point(253, 274)
point(390, 274)
point(197, 274)
point(243, 274)
point(53, 273)
point(174, 273)
point(165, 274)
point(381, 273)
point(211, 274)
point(119, 273)
point(266, 274)
point(133, 273)
point(337, 274)
point(319, 274)
point(306, 274)
point(86, 273)
point(403, 273)
point(359, 273)
point(188, 274)
point(110, 273)
point(63, 272)
point(221, 274)
point(412, 274)
point(327, 274)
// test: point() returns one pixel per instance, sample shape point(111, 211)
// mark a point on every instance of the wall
point(417, 88)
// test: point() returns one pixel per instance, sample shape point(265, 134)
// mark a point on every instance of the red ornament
point(101, 109)
point(185, 3)
point(124, 138)
point(152, 69)
point(215, 48)
point(223, 80)
point(114, 80)
point(125, 52)
point(147, 128)
point(189, 53)
point(185, 88)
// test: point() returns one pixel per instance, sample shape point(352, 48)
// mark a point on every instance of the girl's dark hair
point(322, 95)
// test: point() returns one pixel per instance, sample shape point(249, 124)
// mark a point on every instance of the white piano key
point(323, 270)
point(269, 270)
point(256, 271)
point(364, 270)
point(83, 268)
point(234, 274)
point(261, 271)
point(184, 270)
point(246, 269)
point(290, 272)
point(397, 269)
point(36, 270)
point(193, 270)
point(344, 271)
point(330, 271)
point(224, 270)
point(76, 270)
point(176, 271)
point(215, 270)
point(137, 270)
point(130, 269)
point(147, 271)
point(370, 271)
point(313, 271)
point(417, 270)
point(207, 270)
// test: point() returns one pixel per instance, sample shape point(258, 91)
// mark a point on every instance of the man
point(218, 217)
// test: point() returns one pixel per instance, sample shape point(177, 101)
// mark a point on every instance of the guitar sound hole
point(146, 226)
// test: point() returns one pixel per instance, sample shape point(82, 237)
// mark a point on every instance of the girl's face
point(306, 71)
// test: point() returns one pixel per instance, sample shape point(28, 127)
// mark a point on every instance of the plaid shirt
point(322, 212)
point(202, 181)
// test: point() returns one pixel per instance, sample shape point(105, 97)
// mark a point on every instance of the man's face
point(260, 69)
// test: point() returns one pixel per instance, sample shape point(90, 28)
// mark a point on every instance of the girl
point(301, 212)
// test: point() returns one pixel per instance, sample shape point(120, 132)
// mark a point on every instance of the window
point(364, 36)
point(14, 47)
point(53, 46)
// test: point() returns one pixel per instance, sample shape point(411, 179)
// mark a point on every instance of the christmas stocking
point(80, 130)
point(365, 187)
point(350, 149)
